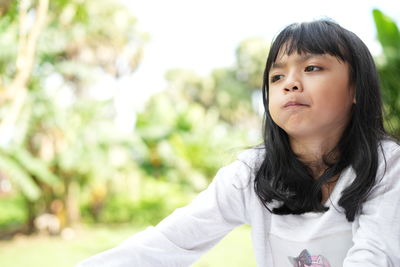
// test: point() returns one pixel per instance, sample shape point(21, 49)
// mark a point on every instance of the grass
point(43, 251)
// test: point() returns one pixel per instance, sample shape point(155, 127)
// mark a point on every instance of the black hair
point(282, 176)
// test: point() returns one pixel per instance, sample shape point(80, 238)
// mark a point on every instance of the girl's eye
point(312, 68)
point(275, 78)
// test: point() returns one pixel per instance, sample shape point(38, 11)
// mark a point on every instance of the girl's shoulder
point(252, 157)
point(241, 172)
point(389, 146)
point(389, 162)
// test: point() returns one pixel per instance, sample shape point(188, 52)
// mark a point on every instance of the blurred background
point(114, 113)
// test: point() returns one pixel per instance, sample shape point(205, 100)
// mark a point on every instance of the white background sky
point(203, 35)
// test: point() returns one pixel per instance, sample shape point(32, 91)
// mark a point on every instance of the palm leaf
point(388, 34)
point(36, 167)
point(19, 176)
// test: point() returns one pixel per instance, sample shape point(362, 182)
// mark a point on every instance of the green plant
point(389, 66)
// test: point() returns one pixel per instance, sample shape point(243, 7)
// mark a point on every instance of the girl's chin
point(299, 133)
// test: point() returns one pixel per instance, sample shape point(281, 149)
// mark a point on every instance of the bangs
point(313, 38)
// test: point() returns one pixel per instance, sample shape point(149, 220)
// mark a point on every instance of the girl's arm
point(188, 232)
point(376, 232)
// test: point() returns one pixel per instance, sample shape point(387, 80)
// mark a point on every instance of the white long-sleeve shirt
point(311, 239)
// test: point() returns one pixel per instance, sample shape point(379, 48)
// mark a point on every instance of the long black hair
point(282, 176)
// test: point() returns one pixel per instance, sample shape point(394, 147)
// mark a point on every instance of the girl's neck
point(312, 152)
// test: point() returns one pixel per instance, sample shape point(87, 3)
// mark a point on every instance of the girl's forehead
point(298, 57)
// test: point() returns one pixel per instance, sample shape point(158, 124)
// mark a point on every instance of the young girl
point(323, 189)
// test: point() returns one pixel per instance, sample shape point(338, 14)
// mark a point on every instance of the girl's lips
point(293, 104)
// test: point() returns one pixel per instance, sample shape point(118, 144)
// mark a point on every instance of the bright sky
point(203, 35)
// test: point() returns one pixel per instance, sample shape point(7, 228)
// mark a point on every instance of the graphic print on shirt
point(305, 259)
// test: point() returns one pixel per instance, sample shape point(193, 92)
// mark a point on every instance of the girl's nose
point(293, 86)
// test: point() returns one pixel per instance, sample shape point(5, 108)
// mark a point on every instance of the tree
point(389, 66)
point(198, 123)
point(56, 137)
point(233, 90)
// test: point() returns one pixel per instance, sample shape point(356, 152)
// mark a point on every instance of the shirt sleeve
point(186, 234)
point(376, 231)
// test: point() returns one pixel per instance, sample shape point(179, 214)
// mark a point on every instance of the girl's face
point(310, 95)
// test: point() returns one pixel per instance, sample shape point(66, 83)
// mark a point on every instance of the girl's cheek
point(273, 100)
point(273, 110)
point(271, 106)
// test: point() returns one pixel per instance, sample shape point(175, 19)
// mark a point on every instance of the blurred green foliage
point(12, 214)
point(58, 141)
point(62, 152)
point(389, 66)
